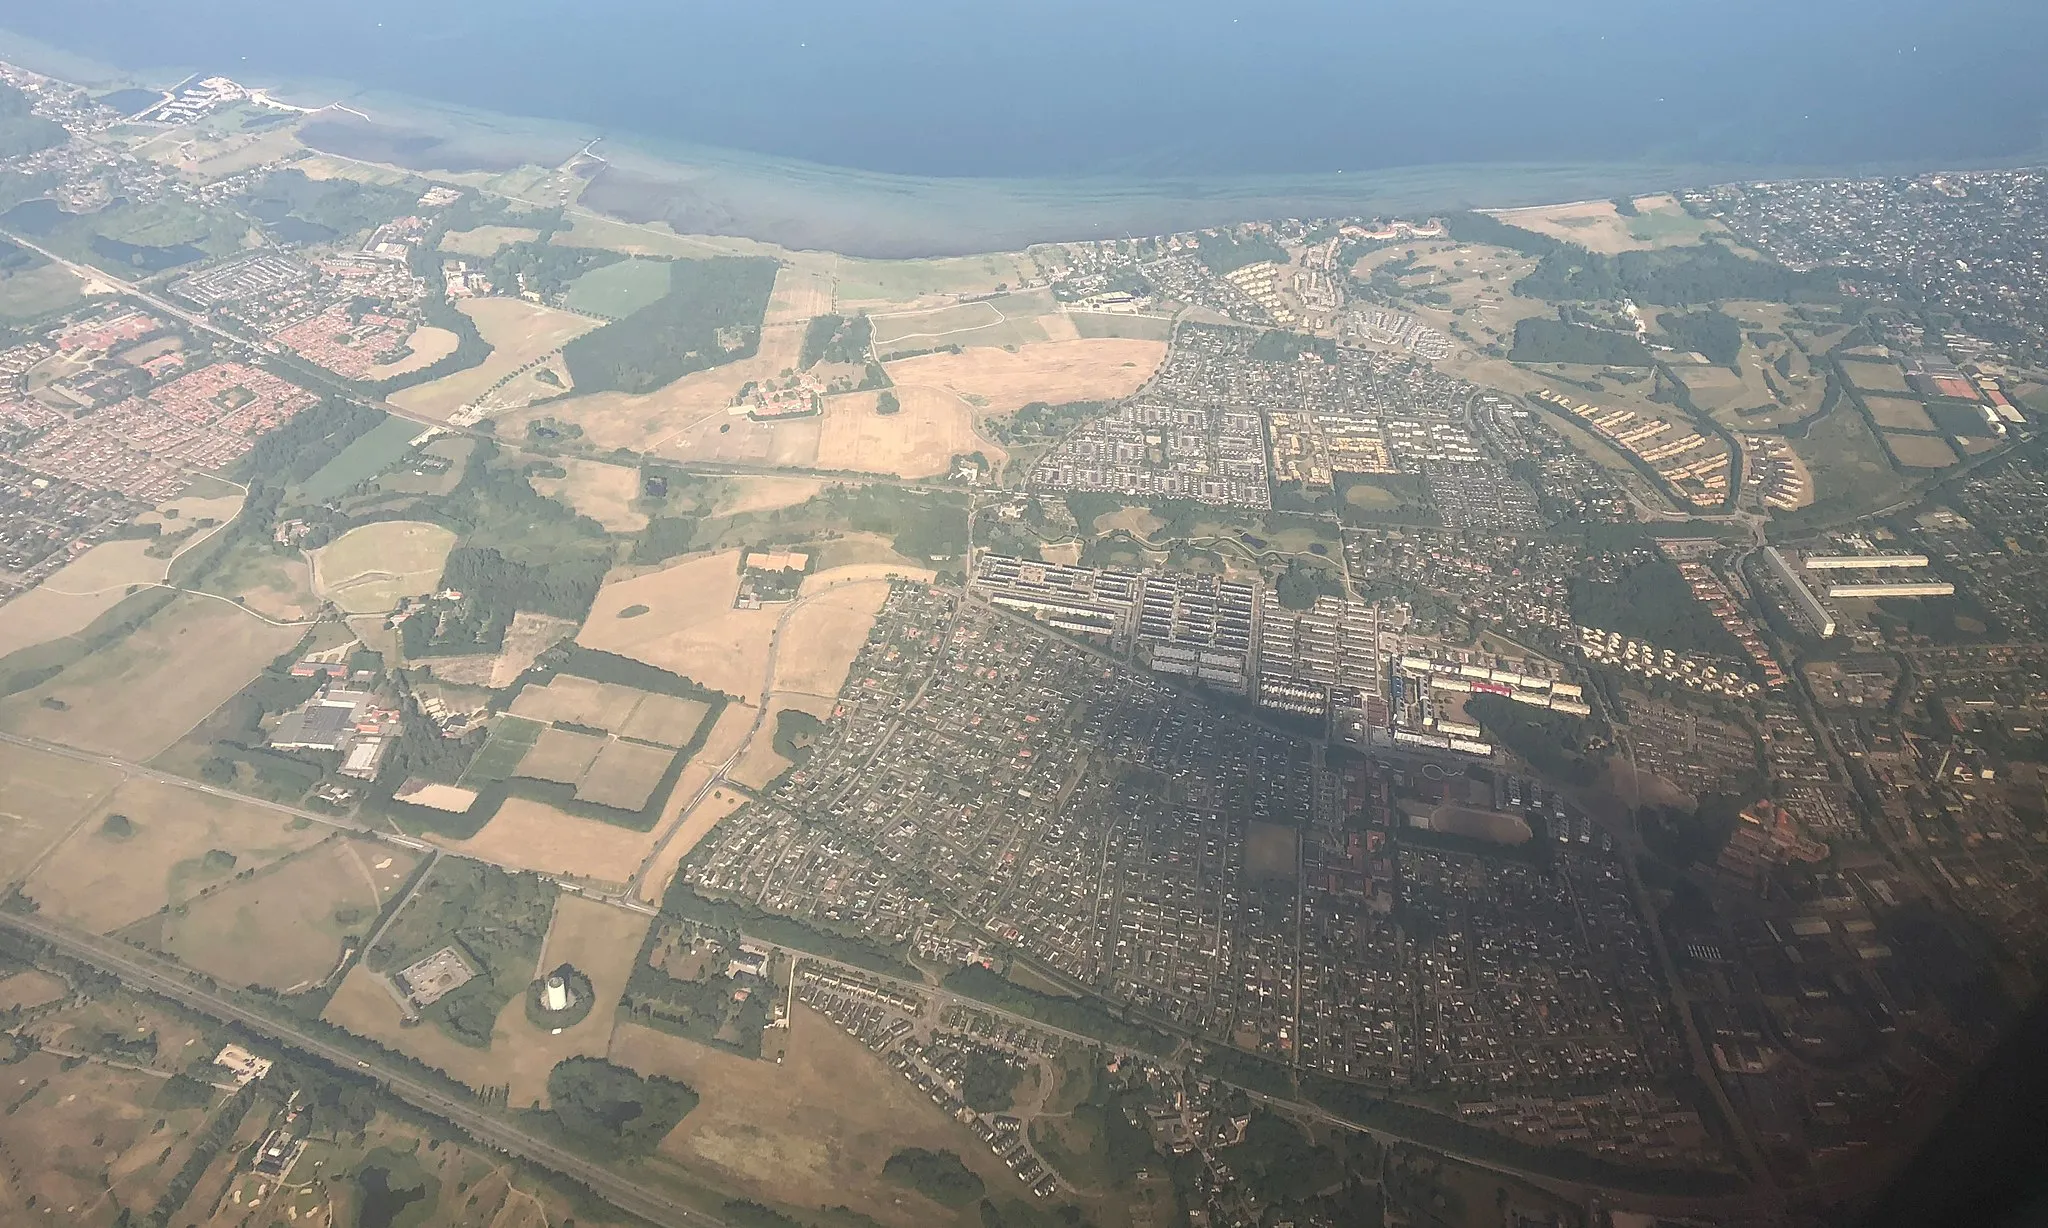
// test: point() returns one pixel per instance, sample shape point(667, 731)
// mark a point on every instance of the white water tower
point(555, 996)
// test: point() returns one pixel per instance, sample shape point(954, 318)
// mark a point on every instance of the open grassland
point(589, 230)
point(605, 493)
point(519, 332)
point(428, 344)
point(919, 440)
point(92, 1141)
point(38, 291)
point(485, 240)
point(658, 421)
point(177, 843)
point(813, 1130)
point(667, 719)
point(30, 988)
point(690, 627)
point(616, 291)
point(761, 494)
point(46, 796)
point(1085, 369)
point(803, 288)
point(1008, 321)
point(284, 927)
point(530, 835)
point(868, 282)
point(189, 659)
point(1920, 451)
point(1597, 226)
point(762, 763)
point(367, 569)
point(826, 629)
point(363, 1005)
point(1845, 459)
point(276, 585)
point(1120, 324)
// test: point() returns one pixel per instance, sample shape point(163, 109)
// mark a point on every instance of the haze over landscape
point(1073, 616)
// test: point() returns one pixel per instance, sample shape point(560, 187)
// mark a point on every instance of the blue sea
point(1151, 88)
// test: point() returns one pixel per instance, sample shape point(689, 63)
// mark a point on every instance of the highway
point(486, 1127)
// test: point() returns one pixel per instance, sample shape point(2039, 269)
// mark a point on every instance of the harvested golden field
point(651, 422)
point(685, 818)
point(367, 569)
point(518, 331)
point(189, 659)
point(1598, 226)
point(486, 240)
point(734, 439)
point(579, 701)
point(1920, 451)
point(667, 719)
point(30, 988)
point(533, 835)
point(1084, 369)
point(690, 627)
point(428, 344)
point(605, 493)
point(762, 494)
point(100, 879)
point(812, 1130)
point(45, 797)
point(826, 629)
point(920, 440)
point(284, 927)
point(803, 288)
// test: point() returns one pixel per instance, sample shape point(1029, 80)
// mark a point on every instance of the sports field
point(1920, 451)
point(560, 756)
point(367, 569)
point(175, 842)
point(518, 331)
point(1493, 826)
point(1898, 413)
point(188, 659)
point(1084, 369)
point(1875, 375)
point(667, 719)
point(1272, 852)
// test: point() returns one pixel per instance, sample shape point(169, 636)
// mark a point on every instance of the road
point(486, 1127)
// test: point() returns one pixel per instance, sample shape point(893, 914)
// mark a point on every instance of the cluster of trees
point(1676, 277)
point(1652, 601)
point(1082, 1015)
point(1277, 1162)
point(1222, 254)
point(1713, 334)
point(835, 338)
point(664, 538)
point(1302, 583)
point(496, 919)
point(1280, 345)
point(1554, 742)
point(1542, 340)
point(938, 1175)
point(921, 524)
point(493, 589)
point(989, 1082)
point(335, 206)
point(796, 734)
point(544, 268)
point(22, 131)
point(711, 315)
point(1040, 421)
point(704, 1010)
point(217, 1133)
point(612, 1112)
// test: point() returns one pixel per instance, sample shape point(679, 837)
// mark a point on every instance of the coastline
point(726, 193)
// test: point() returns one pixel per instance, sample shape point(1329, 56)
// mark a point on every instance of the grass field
point(908, 281)
point(38, 291)
point(383, 446)
point(1121, 325)
point(763, 494)
point(367, 569)
point(1844, 458)
point(1272, 851)
point(1491, 826)
point(825, 631)
point(1012, 319)
point(277, 586)
point(518, 331)
point(189, 659)
point(586, 230)
point(1875, 375)
point(485, 240)
point(605, 493)
point(510, 739)
point(102, 882)
point(46, 796)
point(691, 627)
point(560, 756)
point(618, 290)
point(813, 1130)
point(761, 763)
point(1898, 413)
point(284, 927)
point(1920, 451)
point(1085, 369)
point(624, 775)
point(1598, 226)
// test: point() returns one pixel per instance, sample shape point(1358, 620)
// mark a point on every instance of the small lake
point(145, 259)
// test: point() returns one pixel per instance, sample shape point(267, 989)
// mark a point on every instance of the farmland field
point(920, 440)
point(46, 796)
point(177, 842)
point(1129, 327)
point(624, 775)
point(284, 927)
point(1084, 369)
point(691, 627)
point(367, 569)
point(533, 835)
point(560, 756)
point(618, 290)
point(189, 659)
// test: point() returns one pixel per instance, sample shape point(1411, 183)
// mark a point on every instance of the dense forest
point(22, 131)
point(1652, 601)
point(711, 315)
point(1712, 334)
point(1675, 277)
point(1540, 340)
point(300, 208)
point(612, 1112)
point(544, 268)
point(835, 338)
point(493, 589)
point(1221, 254)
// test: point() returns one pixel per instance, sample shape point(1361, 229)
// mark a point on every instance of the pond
point(300, 232)
point(145, 259)
point(37, 218)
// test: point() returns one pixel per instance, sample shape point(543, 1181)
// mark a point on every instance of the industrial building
point(1924, 588)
